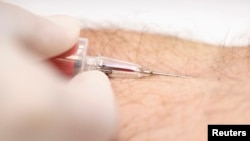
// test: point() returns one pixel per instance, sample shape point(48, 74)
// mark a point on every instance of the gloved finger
point(93, 107)
point(48, 36)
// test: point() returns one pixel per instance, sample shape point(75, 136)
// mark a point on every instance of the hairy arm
point(164, 108)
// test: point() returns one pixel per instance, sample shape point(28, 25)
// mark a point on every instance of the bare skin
point(163, 108)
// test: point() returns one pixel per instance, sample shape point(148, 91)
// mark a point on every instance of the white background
point(213, 21)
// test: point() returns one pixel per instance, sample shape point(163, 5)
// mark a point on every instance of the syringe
point(76, 60)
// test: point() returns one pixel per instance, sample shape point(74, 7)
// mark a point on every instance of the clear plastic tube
point(79, 61)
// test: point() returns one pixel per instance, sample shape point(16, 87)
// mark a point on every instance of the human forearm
point(162, 108)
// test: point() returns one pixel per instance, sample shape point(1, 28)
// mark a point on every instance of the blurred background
point(220, 22)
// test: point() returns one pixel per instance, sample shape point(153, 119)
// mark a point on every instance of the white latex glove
point(36, 104)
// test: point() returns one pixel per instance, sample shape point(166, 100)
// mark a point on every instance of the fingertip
point(94, 103)
point(54, 35)
point(70, 30)
point(92, 76)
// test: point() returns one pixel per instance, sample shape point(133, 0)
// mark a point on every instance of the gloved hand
point(36, 103)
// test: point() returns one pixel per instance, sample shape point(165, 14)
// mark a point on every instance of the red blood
point(63, 65)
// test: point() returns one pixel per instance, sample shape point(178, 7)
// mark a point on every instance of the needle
point(148, 72)
point(171, 75)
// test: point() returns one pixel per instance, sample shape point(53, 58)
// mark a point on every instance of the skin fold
point(160, 108)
